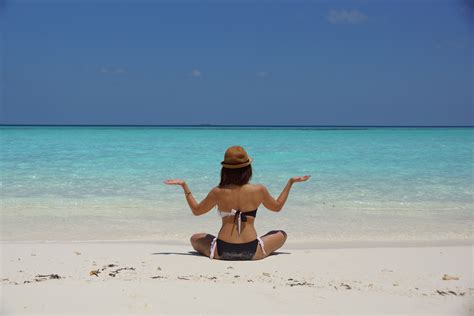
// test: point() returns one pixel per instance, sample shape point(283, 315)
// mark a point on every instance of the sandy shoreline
point(290, 245)
point(150, 278)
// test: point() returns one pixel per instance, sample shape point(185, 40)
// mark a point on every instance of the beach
point(384, 226)
point(357, 118)
point(115, 278)
point(351, 137)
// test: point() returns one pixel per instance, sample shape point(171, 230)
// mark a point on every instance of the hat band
point(235, 166)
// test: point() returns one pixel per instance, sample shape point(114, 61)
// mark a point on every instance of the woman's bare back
point(244, 198)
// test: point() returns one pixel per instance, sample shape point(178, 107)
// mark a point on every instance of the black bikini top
point(238, 213)
point(251, 213)
point(238, 216)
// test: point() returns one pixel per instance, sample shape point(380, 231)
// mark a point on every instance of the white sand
point(343, 281)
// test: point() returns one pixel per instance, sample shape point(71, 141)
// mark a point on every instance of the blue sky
point(237, 62)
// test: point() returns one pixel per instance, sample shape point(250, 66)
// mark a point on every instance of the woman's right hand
point(299, 179)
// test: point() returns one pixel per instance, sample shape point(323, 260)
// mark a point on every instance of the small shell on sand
point(449, 277)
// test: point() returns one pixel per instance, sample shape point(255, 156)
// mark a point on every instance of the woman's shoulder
point(258, 187)
point(251, 187)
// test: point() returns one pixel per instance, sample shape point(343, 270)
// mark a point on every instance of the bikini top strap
point(239, 217)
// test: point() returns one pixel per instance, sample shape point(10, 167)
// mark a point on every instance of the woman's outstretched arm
point(197, 208)
point(276, 205)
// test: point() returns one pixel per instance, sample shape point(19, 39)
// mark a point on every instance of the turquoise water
point(106, 183)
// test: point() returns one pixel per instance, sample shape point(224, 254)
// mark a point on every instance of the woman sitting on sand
point(237, 201)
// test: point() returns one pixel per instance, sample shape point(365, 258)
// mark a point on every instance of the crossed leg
point(273, 240)
point(201, 242)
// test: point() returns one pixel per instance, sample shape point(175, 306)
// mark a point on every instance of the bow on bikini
point(239, 217)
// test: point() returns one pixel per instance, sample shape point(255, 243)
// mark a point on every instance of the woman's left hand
point(174, 181)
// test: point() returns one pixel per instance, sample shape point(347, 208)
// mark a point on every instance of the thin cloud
point(120, 71)
point(196, 73)
point(346, 17)
point(262, 74)
point(112, 71)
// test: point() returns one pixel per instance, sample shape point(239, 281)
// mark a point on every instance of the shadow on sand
point(195, 253)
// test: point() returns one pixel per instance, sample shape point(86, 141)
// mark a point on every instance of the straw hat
point(236, 157)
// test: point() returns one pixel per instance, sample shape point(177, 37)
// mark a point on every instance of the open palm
point(174, 181)
point(300, 179)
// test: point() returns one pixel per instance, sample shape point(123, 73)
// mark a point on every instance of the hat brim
point(240, 165)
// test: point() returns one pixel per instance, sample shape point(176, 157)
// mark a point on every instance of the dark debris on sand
point(449, 292)
point(293, 282)
point(44, 277)
point(49, 276)
point(115, 272)
point(111, 273)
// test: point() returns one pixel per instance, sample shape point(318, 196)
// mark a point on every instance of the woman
point(237, 201)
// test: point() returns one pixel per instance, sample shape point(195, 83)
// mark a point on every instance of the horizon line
point(229, 125)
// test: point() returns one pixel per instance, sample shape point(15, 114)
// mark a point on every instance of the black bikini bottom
point(229, 251)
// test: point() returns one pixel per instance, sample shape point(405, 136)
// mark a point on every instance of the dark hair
point(239, 176)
